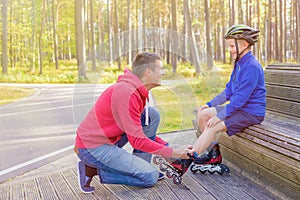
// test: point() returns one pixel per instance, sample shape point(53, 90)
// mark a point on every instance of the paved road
point(41, 128)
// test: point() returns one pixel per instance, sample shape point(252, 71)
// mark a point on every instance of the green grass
point(176, 99)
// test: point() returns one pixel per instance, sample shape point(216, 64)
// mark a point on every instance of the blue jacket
point(245, 90)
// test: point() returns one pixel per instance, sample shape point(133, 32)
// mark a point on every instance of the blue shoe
point(83, 180)
point(161, 176)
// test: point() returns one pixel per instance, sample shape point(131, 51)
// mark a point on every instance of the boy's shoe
point(84, 180)
point(213, 157)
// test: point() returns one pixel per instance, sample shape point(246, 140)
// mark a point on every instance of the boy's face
point(242, 44)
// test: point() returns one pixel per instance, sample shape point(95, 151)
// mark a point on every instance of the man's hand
point(183, 152)
point(212, 122)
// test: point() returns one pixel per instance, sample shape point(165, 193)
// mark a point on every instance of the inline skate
point(173, 167)
point(211, 162)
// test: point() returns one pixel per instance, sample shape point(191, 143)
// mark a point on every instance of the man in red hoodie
point(118, 116)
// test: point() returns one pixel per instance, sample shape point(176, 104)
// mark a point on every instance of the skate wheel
point(211, 172)
point(177, 180)
point(156, 160)
point(169, 174)
point(220, 172)
point(163, 168)
point(203, 171)
point(224, 169)
point(192, 169)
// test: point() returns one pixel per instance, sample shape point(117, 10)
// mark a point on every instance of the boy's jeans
point(116, 166)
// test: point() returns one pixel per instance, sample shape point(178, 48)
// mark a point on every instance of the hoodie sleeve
point(247, 83)
point(127, 114)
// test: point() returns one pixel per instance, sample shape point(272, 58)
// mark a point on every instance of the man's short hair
point(143, 61)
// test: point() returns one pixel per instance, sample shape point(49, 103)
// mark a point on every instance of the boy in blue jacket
point(245, 92)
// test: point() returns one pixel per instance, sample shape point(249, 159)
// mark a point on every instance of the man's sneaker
point(84, 180)
point(161, 176)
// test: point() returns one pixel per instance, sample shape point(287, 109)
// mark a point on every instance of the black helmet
point(241, 31)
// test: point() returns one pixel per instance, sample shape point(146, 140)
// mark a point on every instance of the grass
point(10, 94)
point(181, 93)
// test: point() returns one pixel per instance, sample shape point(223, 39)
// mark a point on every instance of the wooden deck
point(58, 181)
point(63, 185)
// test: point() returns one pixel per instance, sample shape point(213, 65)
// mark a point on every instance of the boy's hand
point(203, 107)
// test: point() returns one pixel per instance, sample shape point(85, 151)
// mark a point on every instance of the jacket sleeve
point(248, 80)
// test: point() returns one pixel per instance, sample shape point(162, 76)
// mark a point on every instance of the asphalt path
point(41, 128)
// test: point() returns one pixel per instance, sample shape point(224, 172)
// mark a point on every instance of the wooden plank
point(282, 92)
point(283, 187)
point(212, 188)
point(283, 166)
point(282, 106)
point(4, 192)
point(285, 126)
point(121, 192)
point(102, 192)
point(271, 146)
point(71, 178)
point(276, 132)
point(265, 136)
point(196, 187)
point(163, 190)
point(245, 185)
point(17, 191)
point(284, 66)
point(144, 193)
point(226, 183)
point(31, 189)
point(181, 191)
point(282, 77)
point(46, 188)
point(61, 187)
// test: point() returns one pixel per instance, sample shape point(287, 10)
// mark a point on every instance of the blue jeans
point(116, 166)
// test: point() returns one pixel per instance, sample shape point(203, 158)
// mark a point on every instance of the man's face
point(242, 44)
point(156, 75)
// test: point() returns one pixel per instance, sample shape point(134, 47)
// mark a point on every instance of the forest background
point(92, 41)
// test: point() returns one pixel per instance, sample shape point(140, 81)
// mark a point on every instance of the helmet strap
point(237, 51)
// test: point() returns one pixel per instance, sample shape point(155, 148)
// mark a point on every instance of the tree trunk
point(117, 39)
point(93, 45)
point(174, 36)
point(41, 39)
point(194, 51)
point(4, 57)
point(55, 45)
point(128, 33)
point(110, 47)
point(80, 39)
point(208, 40)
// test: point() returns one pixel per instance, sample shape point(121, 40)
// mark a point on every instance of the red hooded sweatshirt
point(117, 111)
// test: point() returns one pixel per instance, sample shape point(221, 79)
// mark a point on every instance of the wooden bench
point(269, 153)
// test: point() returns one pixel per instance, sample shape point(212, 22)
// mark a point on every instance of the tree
point(41, 37)
point(174, 36)
point(80, 40)
point(4, 37)
point(55, 44)
point(93, 50)
point(208, 40)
